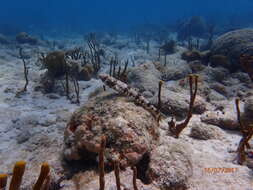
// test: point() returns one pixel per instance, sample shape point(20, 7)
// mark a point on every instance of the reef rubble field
point(34, 125)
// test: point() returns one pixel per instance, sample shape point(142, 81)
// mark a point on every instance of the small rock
point(177, 104)
point(171, 165)
point(23, 136)
point(225, 120)
point(204, 132)
point(53, 96)
point(23, 38)
point(191, 56)
point(147, 94)
point(145, 77)
point(220, 88)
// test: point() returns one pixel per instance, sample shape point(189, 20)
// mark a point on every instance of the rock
point(171, 165)
point(227, 116)
point(23, 136)
point(26, 127)
point(175, 72)
point(47, 120)
point(145, 77)
point(24, 38)
point(232, 45)
point(220, 88)
point(147, 94)
point(177, 104)
point(131, 131)
point(224, 120)
point(53, 96)
point(205, 132)
point(242, 77)
point(215, 96)
point(218, 74)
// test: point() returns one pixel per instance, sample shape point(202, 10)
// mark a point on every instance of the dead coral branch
point(95, 51)
point(176, 129)
point(25, 69)
point(159, 95)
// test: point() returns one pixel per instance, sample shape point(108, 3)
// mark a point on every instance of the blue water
point(115, 15)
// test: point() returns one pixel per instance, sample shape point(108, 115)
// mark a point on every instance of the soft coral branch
point(176, 129)
point(247, 133)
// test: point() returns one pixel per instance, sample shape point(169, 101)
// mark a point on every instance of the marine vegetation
point(26, 70)
point(175, 128)
point(44, 181)
point(247, 133)
point(120, 73)
point(167, 48)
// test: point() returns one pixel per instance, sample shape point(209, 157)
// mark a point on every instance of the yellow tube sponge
point(18, 173)
point(3, 180)
point(44, 172)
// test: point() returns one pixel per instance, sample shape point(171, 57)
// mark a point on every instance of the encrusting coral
point(176, 129)
point(247, 133)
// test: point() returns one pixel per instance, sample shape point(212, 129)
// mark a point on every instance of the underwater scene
point(126, 95)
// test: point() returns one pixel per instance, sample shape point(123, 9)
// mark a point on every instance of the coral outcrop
point(131, 131)
point(232, 45)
